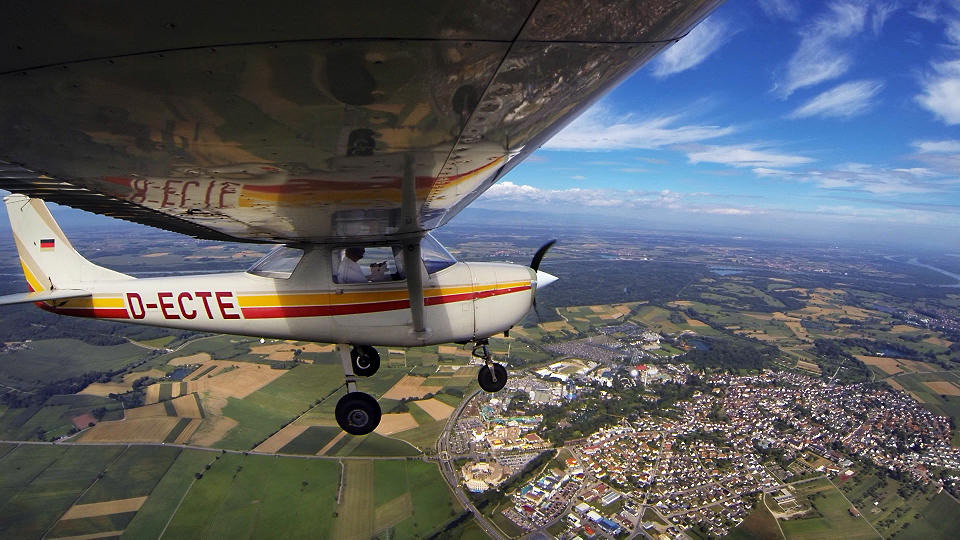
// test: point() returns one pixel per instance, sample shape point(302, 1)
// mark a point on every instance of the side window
point(279, 263)
point(362, 264)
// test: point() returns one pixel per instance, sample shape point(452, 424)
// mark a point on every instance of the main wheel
point(358, 413)
point(365, 360)
point(485, 378)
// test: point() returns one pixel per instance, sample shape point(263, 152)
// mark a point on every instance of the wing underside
point(311, 123)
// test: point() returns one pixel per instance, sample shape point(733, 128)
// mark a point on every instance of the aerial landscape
point(538, 269)
point(683, 383)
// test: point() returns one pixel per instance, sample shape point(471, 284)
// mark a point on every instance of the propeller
point(543, 278)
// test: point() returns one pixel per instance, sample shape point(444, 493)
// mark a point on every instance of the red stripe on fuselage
point(283, 312)
point(95, 313)
point(370, 307)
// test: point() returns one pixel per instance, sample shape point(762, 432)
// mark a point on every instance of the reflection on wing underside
point(198, 129)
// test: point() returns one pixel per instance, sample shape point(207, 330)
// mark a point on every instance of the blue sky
point(836, 120)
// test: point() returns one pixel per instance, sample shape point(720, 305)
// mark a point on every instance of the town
point(702, 461)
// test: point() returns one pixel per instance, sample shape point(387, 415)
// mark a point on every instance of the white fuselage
point(462, 302)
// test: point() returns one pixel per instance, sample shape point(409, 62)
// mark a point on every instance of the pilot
point(349, 270)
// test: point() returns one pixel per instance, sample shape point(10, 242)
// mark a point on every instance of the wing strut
point(412, 259)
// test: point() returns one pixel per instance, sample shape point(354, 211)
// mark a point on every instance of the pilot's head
point(354, 253)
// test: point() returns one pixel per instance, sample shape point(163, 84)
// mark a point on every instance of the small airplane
point(341, 131)
point(297, 292)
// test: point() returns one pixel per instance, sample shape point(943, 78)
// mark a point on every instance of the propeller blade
point(535, 264)
point(543, 278)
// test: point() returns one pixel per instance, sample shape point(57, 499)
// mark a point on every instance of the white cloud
point(875, 180)
point(937, 147)
point(731, 211)
point(843, 101)
point(780, 9)
point(505, 191)
point(918, 172)
point(693, 49)
point(820, 56)
point(609, 202)
point(942, 157)
point(766, 171)
point(743, 156)
point(926, 10)
point(597, 129)
point(881, 13)
point(941, 92)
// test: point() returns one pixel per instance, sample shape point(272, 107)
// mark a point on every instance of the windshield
point(279, 263)
point(435, 257)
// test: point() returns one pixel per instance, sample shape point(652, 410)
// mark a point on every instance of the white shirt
point(350, 272)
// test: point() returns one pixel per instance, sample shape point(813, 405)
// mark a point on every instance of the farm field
point(836, 520)
point(58, 359)
point(923, 515)
point(938, 391)
point(759, 525)
point(150, 492)
point(151, 423)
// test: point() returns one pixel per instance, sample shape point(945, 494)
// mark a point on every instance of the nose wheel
point(358, 413)
point(365, 360)
point(492, 376)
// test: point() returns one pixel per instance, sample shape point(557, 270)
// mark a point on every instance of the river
point(916, 262)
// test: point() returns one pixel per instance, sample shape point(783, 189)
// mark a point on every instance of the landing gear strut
point(358, 413)
point(492, 376)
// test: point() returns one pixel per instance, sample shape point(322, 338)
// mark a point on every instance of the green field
point(923, 515)
point(836, 520)
point(45, 483)
point(209, 494)
point(759, 525)
point(938, 519)
point(167, 495)
point(375, 445)
point(58, 359)
point(311, 441)
point(265, 411)
point(134, 474)
point(423, 437)
point(937, 403)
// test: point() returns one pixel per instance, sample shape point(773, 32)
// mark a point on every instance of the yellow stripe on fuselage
point(96, 302)
point(360, 297)
point(285, 300)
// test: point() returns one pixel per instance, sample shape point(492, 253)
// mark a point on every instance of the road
point(445, 461)
point(191, 447)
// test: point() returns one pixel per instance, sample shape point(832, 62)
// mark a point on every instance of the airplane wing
point(291, 121)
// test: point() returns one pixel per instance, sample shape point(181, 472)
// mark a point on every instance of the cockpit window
point(435, 256)
point(279, 263)
point(362, 264)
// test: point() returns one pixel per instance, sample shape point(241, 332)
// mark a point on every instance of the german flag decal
point(46, 243)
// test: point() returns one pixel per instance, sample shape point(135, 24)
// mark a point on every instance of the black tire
point(358, 413)
point(365, 360)
point(485, 378)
